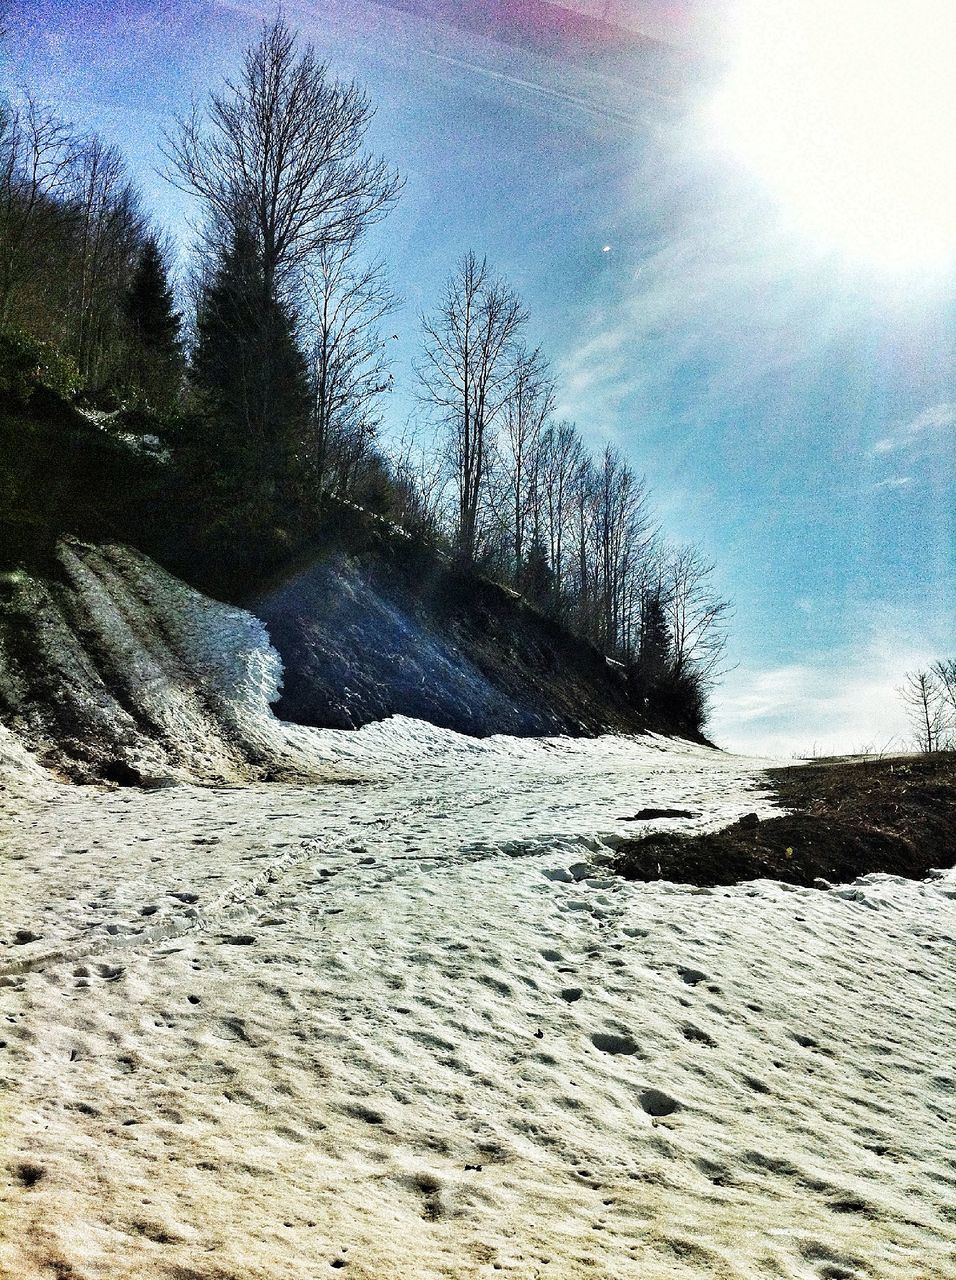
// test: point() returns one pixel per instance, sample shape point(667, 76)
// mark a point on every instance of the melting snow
point(413, 1028)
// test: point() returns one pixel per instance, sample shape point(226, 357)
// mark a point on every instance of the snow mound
point(115, 668)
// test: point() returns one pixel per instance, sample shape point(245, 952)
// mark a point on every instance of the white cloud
point(895, 482)
point(937, 418)
point(837, 704)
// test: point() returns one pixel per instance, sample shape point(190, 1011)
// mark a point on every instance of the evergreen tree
point(149, 303)
point(654, 654)
point(156, 356)
point(535, 577)
point(250, 399)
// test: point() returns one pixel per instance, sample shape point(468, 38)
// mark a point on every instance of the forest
point(229, 415)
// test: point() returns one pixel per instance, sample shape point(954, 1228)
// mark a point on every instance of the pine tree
point(535, 576)
point(156, 361)
point(250, 398)
point(654, 654)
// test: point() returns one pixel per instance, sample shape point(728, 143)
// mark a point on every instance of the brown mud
point(847, 818)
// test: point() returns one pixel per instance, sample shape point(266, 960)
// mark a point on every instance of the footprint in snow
point(108, 972)
point(656, 1103)
point(690, 976)
point(608, 1042)
point(697, 1035)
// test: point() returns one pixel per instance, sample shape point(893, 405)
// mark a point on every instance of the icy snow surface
point(411, 1028)
point(145, 671)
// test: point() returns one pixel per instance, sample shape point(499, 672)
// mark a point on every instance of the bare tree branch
point(279, 152)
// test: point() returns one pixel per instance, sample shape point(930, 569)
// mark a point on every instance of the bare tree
point(37, 154)
point(926, 709)
point(696, 615)
point(944, 674)
point(560, 459)
point(350, 367)
point(108, 230)
point(624, 533)
point(465, 378)
point(422, 478)
point(279, 152)
point(529, 404)
point(583, 536)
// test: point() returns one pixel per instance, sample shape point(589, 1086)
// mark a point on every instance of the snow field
point(412, 1028)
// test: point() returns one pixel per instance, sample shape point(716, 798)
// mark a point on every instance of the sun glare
point(846, 109)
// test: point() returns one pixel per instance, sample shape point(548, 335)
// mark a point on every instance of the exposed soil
point(848, 818)
point(400, 630)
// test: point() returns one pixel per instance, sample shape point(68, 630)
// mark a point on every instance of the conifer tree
point(250, 396)
point(156, 356)
point(654, 654)
point(535, 576)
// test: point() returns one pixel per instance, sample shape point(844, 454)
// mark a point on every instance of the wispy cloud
point(939, 419)
point(895, 482)
point(833, 704)
point(718, 300)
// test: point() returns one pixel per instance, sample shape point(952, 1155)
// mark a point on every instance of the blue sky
point(794, 410)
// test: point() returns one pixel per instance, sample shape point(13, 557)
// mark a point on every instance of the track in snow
point(412, 1028)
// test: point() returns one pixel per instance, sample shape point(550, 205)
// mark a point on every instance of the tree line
point(266, 383)
point(81, 270)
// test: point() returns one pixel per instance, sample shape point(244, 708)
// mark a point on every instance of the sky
point(708, 289)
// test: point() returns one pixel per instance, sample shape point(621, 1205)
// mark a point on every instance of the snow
point(20, 773)
point(150, 672)
point(411, 1027)
point(136, 442)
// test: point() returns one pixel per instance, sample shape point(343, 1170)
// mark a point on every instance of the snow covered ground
point(411, 1028)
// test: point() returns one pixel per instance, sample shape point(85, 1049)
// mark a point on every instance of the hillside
point(112, 668)
point(400, 630)
point(133, 646)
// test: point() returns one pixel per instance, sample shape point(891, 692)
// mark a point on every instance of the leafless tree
point(925, 707)
point(465, 378)
point(422, 477)
point(108, 228)
point(624, 534)
point(348, 300)
point(37, 154)
point(280, 152)
point(696, 615)
point(944, 674)
point(561, 455)
point(529, 404)
point(583, 535)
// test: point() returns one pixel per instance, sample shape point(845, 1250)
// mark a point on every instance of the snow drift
point(112, 668)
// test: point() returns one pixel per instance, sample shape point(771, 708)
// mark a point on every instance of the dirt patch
point(848, 818)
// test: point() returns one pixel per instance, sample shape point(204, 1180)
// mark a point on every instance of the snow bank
point(20, 774)
point(119, 664)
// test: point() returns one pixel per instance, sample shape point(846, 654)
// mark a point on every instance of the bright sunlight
point(847, 112)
